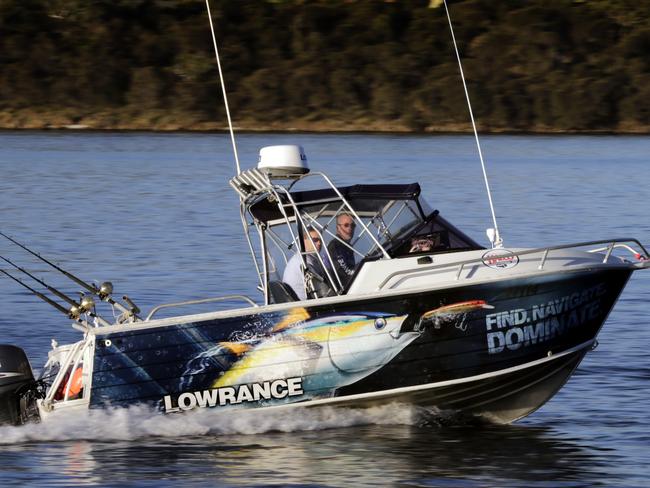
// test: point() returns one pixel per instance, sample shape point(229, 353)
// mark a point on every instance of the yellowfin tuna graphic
point(327, 353)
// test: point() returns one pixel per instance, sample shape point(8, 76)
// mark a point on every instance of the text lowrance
point(232, 395)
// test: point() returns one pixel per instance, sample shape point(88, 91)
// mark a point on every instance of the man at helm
point(340, 249)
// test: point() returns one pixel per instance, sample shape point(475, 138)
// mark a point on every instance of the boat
point(489, 333)
point(400, 307)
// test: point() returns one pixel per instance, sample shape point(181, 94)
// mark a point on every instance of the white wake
point(141, 422)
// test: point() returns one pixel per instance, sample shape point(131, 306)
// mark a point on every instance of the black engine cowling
point(18, 389)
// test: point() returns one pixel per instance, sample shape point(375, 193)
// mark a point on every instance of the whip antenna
point(496, 238)
point(223, 88)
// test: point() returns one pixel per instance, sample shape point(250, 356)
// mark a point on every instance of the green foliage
point(534, 65)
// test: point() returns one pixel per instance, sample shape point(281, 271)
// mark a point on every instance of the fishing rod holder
point(129, 314)
point(133, 308)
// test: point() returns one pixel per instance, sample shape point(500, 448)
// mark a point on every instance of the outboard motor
point(18, 389)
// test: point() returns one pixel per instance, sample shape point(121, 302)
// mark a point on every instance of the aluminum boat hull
point(498, 350)
point(498, 397)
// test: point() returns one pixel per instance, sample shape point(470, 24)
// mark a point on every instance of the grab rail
point(615, 244)
point(611, 245)
point(202, 300)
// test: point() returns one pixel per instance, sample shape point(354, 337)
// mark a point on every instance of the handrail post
point(543, 262)
point(460, 270)
point(609, 251)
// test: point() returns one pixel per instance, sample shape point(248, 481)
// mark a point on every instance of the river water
point(154, 214)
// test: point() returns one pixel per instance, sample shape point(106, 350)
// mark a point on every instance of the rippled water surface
point(154, 214)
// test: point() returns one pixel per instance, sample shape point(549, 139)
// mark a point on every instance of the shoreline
point(161, 122)
point(343, 130)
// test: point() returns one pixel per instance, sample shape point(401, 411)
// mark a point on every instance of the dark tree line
point(533, 65)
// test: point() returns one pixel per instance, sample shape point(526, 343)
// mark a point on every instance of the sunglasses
point(347, 226)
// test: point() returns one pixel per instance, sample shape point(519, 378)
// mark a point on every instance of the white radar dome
point(283, 160)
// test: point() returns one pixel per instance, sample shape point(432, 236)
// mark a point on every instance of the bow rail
point(611, 244)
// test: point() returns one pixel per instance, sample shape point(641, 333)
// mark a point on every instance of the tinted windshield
point(380, 221)
point(399, 226)
point(434, 235)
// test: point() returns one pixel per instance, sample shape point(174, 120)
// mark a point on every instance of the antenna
point(223, 88)
point(496, 238)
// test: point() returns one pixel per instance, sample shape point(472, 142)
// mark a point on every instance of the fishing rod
point(90, 287)
point(85, 305)
point(104, 291)
point(46, 299)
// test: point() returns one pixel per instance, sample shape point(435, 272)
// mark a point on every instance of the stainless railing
point(611, 245)
point(202, 300)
